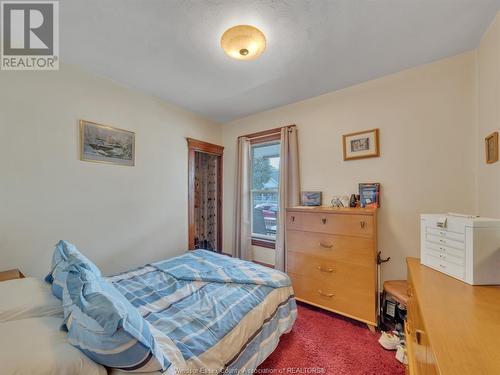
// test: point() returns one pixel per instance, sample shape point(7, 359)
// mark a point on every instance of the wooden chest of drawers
point(331, 259)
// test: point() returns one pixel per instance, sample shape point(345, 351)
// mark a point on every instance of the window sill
point(263, 243)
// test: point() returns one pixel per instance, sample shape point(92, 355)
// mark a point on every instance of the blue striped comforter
point(210, 311)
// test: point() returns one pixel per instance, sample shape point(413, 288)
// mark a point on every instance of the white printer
point(462, 246)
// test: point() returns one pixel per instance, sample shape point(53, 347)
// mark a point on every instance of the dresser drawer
point(360, 278)
point(351, 225)
point(338, 297)
point(356, 250)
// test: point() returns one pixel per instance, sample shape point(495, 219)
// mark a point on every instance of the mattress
point(211, 313)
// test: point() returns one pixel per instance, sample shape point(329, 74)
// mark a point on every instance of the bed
point(211, 313)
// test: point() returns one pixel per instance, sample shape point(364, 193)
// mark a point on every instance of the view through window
point(265, 182)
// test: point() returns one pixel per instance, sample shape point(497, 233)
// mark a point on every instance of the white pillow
point(38, 346)
point(27, 298)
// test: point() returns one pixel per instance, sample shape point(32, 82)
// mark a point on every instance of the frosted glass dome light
point(243, 42)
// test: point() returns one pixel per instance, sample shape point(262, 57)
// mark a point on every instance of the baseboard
point(263, 264)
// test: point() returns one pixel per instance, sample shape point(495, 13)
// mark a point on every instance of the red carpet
point(325, 343)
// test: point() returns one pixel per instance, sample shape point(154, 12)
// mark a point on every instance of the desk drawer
point(355, 250)
point(341, 224)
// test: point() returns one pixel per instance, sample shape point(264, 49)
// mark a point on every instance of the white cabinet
point(467, 248)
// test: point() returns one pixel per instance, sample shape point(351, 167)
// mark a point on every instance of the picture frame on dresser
point(311, 198)
point(369, 194)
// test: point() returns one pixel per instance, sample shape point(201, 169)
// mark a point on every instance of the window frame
point(257, 240)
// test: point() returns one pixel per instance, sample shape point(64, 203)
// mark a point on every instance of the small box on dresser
point(331, 259)
point(464, 247)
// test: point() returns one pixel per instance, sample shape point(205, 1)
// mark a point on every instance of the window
point(264, 189)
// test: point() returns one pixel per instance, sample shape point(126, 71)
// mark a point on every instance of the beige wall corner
point(427, 122)
point(488, 175)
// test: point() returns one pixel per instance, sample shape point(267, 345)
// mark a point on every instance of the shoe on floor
point(401, 354)
point(389, 341)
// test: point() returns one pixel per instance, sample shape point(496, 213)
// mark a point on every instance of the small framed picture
point(105, 144)
point(361, 145)
point(491, 148)
point(310, 198)
point(369, 195)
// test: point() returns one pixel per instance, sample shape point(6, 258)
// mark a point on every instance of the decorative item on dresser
point(332, 259)
point(462, 246)
point(11, 274)
point(369, 194)
point(451, 327)
point(310, 198)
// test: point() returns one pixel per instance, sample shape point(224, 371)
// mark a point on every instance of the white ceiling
point(170, 48)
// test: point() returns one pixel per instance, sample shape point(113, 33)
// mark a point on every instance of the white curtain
point(242, 230)
point(289, 189)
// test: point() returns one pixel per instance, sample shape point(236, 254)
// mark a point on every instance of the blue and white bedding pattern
point(211, 312)
point(105, 326)
point(202, 265)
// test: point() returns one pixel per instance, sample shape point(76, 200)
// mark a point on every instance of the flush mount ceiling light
point(243, 42)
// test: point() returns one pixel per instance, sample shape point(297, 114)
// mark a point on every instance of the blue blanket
point(202, 265)
point(213, 311)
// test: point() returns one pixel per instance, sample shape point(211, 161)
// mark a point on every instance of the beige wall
point(427, 120)
point(120, 216)
point(488, 176)
point(431, 142)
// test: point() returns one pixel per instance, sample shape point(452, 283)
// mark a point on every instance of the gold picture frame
point(491, 148)
point(361, 145)
point(106, 144)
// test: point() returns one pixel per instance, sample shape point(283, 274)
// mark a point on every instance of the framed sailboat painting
point(106, 144)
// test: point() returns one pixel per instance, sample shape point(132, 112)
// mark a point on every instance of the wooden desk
point(452, 327)
point(11, 274)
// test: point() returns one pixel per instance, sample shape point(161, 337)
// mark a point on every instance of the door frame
point(195, 145)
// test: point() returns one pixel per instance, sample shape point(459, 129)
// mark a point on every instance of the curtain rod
point(266, 133)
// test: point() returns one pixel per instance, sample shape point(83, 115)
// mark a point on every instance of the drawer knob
point(409, 325)
point(293, 219)
point(418, 336)
point(326, 245)
point(321, 269)
point(329, 295)
point(323, 220)
point(362, 223)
